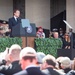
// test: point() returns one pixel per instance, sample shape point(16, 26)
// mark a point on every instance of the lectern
point(27, 31)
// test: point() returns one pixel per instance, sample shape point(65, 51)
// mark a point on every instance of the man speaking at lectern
point(15, 20)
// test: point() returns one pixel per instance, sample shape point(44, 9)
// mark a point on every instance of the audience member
point(40, 33)
point(13, 55)
point(66, 41)
point(55, 30)
point(71, 38)
point(58, 61)
point(73, 64)
point(61, 33)
point(40, 56)
point(50, 34)
point(3, 57)
point(65, 64)
point(70, 32)
point(48, 66)
point(28, 62)
point(72, 72)
point(56, 35)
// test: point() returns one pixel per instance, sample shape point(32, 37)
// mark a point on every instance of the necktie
point(16, 19)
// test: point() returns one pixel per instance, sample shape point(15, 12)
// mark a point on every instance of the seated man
point(56, 35)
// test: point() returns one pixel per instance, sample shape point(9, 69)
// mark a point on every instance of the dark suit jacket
point(12, 22)
point(72, 72)
point(2, 74)
point(14, 67)
point(31, 71)
point(51, 71)
point(67, 70)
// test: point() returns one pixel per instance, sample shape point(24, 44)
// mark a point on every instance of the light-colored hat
point(14, 47)
point(66, 62)
point(27, 51)
point(40, 56)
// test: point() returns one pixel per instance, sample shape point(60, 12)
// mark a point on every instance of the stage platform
point(66, 52)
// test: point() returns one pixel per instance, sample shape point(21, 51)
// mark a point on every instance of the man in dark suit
point(28, 62)
point(15, 20)
point(13, 57)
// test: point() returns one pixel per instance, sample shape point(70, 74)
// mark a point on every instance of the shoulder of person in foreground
point(46, 72)
point(24, 72)
point(4, 69)
point(2, 74)
point(72, 72)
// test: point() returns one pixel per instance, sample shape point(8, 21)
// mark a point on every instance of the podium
point(66, 52)
point(28, 39)
point(30, 42)
point(27, 33)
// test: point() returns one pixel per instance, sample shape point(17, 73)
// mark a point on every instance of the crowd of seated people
point(26, 61)
point(66, 38)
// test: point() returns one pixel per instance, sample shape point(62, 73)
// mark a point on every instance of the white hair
point(50, 57)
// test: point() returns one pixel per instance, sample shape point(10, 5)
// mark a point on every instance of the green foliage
point(7, 42)
point(48, 45)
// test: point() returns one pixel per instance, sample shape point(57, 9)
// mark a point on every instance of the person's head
point(60, 30)
point(58, 61)
point(55, 34)
point(48, 61)
point(65, 62)
point(27, 57)
point(54, 30)
point(67, 37)
point(70, 30)
point(16, 13)
point(40, 29)
point(40, 56)
point(14, 52)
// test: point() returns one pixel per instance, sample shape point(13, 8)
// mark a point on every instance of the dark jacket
point(66, 43)
point(31, 71)
point(14, 67)
point(51, 71)
point(72, 72)
point(12, 22)
point(66, 70)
